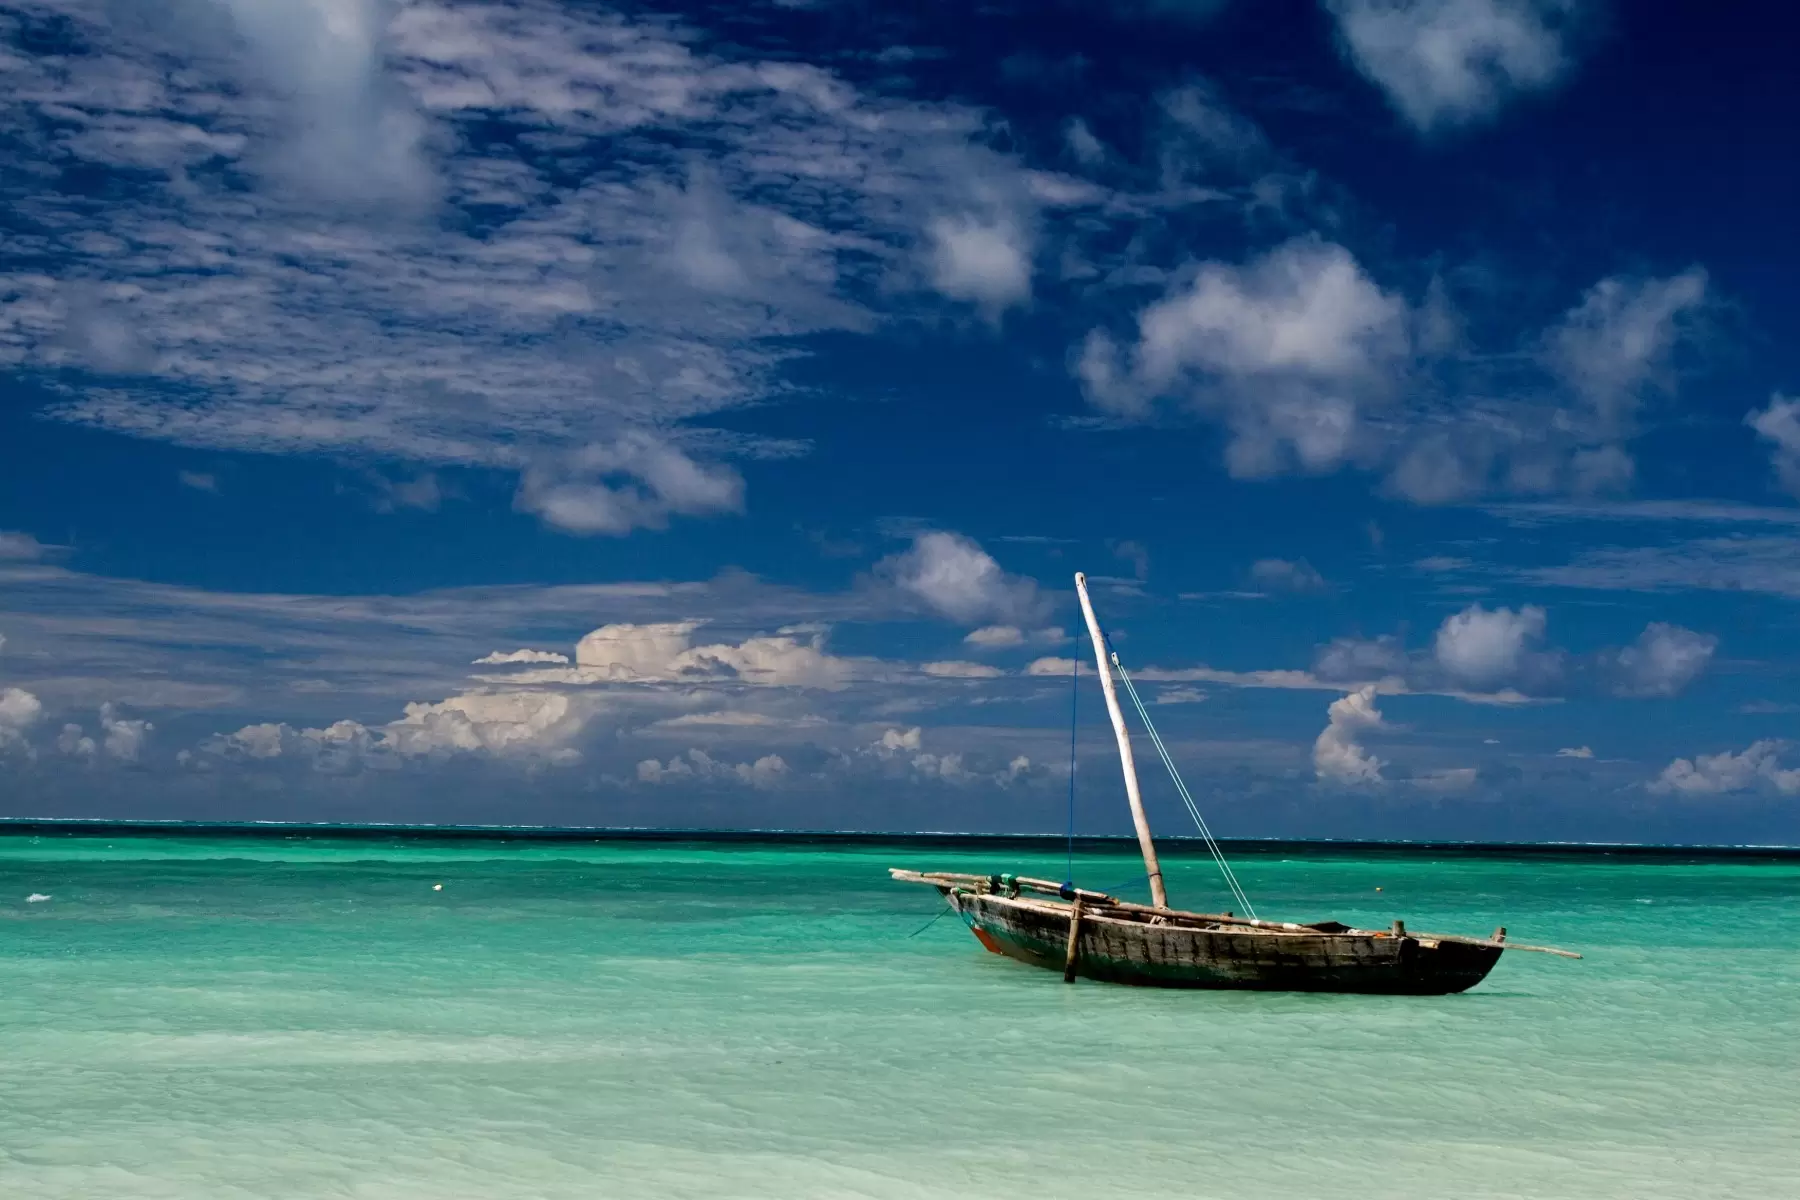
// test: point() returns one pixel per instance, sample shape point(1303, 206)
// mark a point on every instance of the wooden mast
point(1159, 897)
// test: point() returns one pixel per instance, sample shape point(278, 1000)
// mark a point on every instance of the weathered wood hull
point(1119, 949)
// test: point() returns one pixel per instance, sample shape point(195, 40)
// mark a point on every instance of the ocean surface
point(200, 1017)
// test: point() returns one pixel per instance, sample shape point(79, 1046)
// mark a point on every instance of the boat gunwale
point(1098, 906)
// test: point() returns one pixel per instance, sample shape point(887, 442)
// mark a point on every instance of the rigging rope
point(1212, 844)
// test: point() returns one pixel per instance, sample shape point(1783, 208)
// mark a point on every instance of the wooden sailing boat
point(1092, 934)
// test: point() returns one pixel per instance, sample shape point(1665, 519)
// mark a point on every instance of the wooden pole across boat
point(1072, 956)
point(1158, 895)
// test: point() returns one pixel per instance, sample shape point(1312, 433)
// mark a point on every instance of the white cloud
point(497, 722)
point(627, 652)
point(474, 235)
point(1051, 666)
point(772, 661)
point(1482, 648)
point(1778, 424)
point(263, 740)
point(1285, 351)
point(1617, 343)
point(617, 656)
point(500, 658)
point(1664, 660)
point(947, 767)
point(74, 742)
point(956, 669)
point(987, 263)
point(728, 718)
point(19, 711)
point(1359, 660)
point(1448, 63)
point(1001, 637)
point(894, 741)
point(1337, 756)
point(765, 772)
point(347, 131)
point(1087, 149)
point(663, 652)
point(954, 577)
point(636, 482)
point(20, 546)
point(199, 481)
point(123, 739)
point(1575, 752)
point(1558, 423)
point(521, 724)
point(1282, 575)
point(1713, 774)
point(1180, 695)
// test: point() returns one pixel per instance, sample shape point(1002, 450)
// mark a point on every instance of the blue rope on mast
point(1074, 701)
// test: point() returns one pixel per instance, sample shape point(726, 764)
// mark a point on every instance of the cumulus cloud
point(19, 711)
point(1051, 665)
point(637, 482)
point(502, 658)
point(626, 651)
point(947, 767)
point(1337, 756)
point(496, 722)
point(1758, 766)
point(122, 738)
point(520, 724)
point(74, 742)
point(1484, 648)
point(1450, 63)
point(1284, 350)
point(954, 577)
point(698, 765)
point(199, 481)
point(1664, 660)
point(1778, 424)
point(895, 741)
point(664, 652)
point(1283, 575)
point(1575, 752)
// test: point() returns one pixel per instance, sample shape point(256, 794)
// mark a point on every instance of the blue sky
point(694, 415)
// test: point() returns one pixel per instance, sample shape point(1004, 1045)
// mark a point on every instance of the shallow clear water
point(238, 1017)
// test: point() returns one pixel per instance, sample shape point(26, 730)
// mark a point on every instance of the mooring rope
point(1212, 844)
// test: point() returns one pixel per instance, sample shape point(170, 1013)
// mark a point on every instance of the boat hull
point(1118, 950)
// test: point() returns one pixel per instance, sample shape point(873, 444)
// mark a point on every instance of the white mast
point(1158, 896)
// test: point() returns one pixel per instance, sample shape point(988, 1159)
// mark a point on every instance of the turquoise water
point(241, 1017)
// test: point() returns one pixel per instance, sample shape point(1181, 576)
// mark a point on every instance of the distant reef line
point(1178, 846)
